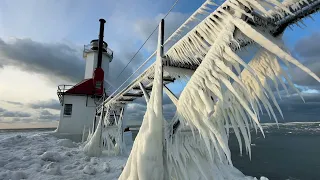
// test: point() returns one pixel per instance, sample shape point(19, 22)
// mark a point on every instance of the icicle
point(269, 45)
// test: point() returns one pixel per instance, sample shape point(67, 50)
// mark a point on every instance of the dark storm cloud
point(136, 110)
point(49, 104)
point(60, 61)
point(308, 50)
point(2, 110)
point(308, 46)
point(121, 58)
point(294, 109)
point(53, 60)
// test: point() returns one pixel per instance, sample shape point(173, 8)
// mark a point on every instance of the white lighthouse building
point(78, 102)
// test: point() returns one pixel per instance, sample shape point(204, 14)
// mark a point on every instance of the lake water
point(291, 151)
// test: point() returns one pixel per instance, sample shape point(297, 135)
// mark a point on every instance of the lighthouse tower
point(78, 102)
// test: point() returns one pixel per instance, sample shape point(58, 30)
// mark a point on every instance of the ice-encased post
point(159, 69)
point(146, 160)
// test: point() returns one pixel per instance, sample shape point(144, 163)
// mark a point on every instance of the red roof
point(83, 87)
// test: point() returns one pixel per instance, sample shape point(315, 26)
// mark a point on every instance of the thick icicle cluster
point(224, 92)
point(146, 160)
point(94, 147)
point(188, 159)
point(217, 98)
point(112, 132)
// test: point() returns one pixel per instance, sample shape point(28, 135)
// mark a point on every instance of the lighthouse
point(79, 102)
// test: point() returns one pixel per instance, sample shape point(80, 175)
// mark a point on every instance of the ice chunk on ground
point(17, 175)
point(68, 167)
point(51, 156)
point(53, 168)
point(86, 158)
point(88, 169)
point(68, 153)
point(66, 143)
point(94, 161)
point(106, 167)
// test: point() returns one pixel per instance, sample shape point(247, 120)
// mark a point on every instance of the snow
point(66, 143)
point(51, 156)
point(41, 156)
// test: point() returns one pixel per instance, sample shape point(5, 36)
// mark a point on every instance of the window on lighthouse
point(67, 110)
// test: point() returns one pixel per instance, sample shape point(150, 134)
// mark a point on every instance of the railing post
point(159, 71)
point(173, 97)
point(145, 93)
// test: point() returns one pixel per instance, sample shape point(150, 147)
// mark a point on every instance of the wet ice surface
point(290, 152)
point(39, 155)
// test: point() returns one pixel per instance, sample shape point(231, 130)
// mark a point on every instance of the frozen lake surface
point(290, 152)
point(41, 156)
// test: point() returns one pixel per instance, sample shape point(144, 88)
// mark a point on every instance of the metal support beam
point(133, 95)
point(125, 100)
point(143, 89)
point(164, 79)
point(120, 126)
point(173, 97)
point(147, 88)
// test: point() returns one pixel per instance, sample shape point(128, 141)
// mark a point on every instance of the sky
point(41, 45)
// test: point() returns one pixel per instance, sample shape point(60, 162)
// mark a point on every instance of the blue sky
point(41, 47)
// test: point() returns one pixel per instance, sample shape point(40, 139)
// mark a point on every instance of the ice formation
point(93, 147)
point(112, 132)
point(220, 97)
point(146, 158)
point(224, 92)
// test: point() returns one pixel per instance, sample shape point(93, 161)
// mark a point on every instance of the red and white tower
point(78, 102)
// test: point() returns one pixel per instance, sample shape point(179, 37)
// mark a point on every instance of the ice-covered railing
point(210, 103)
point(204, 9)
point(122, 88)
point(224, 92)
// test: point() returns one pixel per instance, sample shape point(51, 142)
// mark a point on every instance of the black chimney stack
point(100, 42)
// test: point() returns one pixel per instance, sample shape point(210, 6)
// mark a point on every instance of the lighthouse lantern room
point(78, 102)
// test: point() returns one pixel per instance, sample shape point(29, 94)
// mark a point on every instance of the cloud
point(55, 60)
point(2, 110)
point(13, 102)
point(135, 111)
point(45, 115)
point(308, 46)
point(21, 120)
point(59, 61)
point(48, 104)
point(121, 58)
point(294, 109)
point(308, 51)
point(15, 114)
